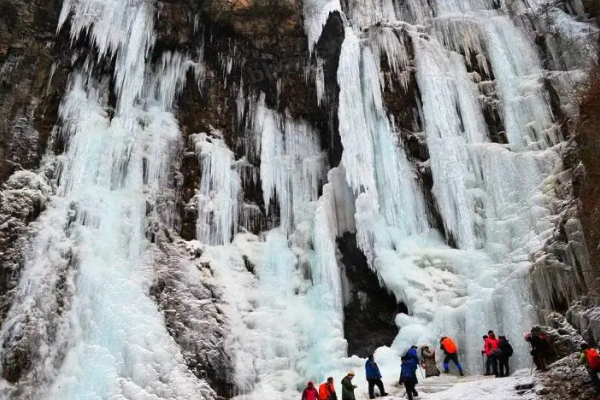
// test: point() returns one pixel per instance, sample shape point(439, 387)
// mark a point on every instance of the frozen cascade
point(284, 288)
point(495, 200)
point(109, 340)
point(293, 166)
point(316, 13)
point(219, 188)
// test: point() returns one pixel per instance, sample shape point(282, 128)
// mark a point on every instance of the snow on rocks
point(565, 380)
point(22, 198)
point(184, 291)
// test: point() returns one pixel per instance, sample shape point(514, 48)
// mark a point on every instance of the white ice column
point(451, 165)
point(526, 111)
point(219, 189)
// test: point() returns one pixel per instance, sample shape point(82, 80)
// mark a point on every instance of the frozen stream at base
point(84, 296)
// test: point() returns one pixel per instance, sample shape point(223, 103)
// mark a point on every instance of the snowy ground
point(451, 387)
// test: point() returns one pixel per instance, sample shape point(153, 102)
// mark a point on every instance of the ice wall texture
point(102, 336)
point(493, 187)
point(459, 262)
point(494, 196)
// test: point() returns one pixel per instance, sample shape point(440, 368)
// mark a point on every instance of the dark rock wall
point(370, 310)
point(32, 80)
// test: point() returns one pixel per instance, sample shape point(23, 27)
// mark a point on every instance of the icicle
point(526, 113)
point(450, 161)
point(292, 164)
point(219, 189)
point(316, 14)
point(354, 129)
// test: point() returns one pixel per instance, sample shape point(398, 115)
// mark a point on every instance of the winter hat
point(584, 346)
point(350, 373)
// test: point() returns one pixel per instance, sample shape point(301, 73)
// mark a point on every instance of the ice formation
point(105, 336)
point(284, 289)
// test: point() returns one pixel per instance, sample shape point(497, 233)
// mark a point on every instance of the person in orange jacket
point(327, 391)
point(451, 350)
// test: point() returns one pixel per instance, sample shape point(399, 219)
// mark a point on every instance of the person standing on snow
point(506, 351)
point(540, 348)
point(487, 365)
point(348, 387)
point(408, 376)
point(310, 392)
point(451, 350)
point(491, 346)
point(428, 360)
point(374, 378)
point(327, 391)
point(412, 353)
point(591, 359)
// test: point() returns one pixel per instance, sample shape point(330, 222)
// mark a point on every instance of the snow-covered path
point(451, 387)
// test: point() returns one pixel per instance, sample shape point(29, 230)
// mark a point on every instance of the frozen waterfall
point(106, 339)
point(457, 254)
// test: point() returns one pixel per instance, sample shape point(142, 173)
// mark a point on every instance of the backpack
point(593, 359)
point(449, 346)
point(509, 350)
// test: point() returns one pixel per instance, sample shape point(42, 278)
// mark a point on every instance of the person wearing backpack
point(327, 391)
point(451, 350)
point(540, 348)
point(505, 352)
point(591, 359)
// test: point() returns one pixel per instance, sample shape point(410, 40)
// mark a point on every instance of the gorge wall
point(245, 65)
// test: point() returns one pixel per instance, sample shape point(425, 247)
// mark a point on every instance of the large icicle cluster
point(219, 188)
point(494, 199)
point(492, 191)
point(85, 277)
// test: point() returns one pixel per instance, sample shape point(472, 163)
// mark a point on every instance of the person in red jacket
point(310, 392)
point(490, 347)
point(327, 391)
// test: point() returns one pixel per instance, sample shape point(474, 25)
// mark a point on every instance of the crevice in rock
point(370, 310)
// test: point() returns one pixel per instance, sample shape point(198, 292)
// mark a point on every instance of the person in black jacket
point(505, 351)
point(540, 348)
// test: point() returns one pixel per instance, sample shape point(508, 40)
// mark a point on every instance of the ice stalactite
point(86, 271)
point(453, 168)
point(354, 131)
point(220, 186)
point(526, 112)
point(83, 300)
point(293, 166)
point(316, 13)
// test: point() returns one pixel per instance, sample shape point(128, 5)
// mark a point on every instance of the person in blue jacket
point(374, 377)
point(408, 376)
point(412, 354)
